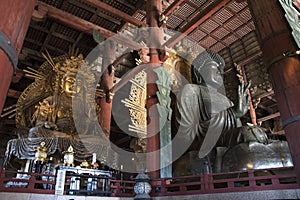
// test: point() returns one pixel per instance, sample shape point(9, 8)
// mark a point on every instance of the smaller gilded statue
point(53, 116)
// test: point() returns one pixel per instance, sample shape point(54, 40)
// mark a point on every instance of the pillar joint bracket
point(10, 51)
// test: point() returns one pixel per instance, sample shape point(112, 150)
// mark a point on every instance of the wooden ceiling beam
point(193, 24)
point(266, 118)
point(116, 12)
point(73, 21)
point(87, 26)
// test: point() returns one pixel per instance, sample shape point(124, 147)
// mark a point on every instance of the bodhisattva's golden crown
point(71, 64)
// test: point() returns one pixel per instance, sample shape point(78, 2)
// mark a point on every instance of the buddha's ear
point(196, 76)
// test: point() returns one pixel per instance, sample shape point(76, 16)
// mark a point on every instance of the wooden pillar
point(14, 21)
point(106, 84)
point(154, 9)
point(276, 39)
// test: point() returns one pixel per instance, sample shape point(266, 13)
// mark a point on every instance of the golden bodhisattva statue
point(64, 83)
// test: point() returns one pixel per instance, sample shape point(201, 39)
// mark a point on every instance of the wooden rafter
point(73, 21)
point(266, 118)
point(114, 11)
point(86, 26)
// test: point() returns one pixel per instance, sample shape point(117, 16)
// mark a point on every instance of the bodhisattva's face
point(70, 87)
point(212, 75)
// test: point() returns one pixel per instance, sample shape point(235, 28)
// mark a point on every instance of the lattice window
point(217, 47)
point(174, 21)
point(244, 30)
point(222, 16)
point(64, 30)
point(197, 35)
point(31, 45)
point(208, 41)
point(59, 43)
point(230, 39)
point(77, 11)
point(237, 7)
point(233, 24)
point(220, 33)
point(185, 10)
point(198, 2)
point(36, 35)
point(140, 15)
point(209, 25)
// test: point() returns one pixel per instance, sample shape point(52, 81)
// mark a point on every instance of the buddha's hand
point(50, 125)
point(241, 107)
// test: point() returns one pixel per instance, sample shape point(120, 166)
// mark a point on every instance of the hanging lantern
point(142, 188)
point(41, 153)
point(69, 157)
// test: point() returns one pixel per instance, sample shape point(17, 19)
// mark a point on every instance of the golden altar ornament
point(85, 164)
point(69, 157)
point(41, 153)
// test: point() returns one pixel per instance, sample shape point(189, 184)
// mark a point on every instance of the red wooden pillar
point(154, 9)
point(276, 39)
point(14, 21)
point(106, 83)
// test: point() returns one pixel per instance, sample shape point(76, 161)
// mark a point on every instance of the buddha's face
point(212, 75)
point(70, 85)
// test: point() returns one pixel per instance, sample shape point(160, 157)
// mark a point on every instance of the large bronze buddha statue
point(211, 123)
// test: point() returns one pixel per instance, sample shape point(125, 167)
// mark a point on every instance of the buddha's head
point(207, 68)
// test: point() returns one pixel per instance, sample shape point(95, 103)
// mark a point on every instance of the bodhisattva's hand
point(50, 125)
point(241, 107)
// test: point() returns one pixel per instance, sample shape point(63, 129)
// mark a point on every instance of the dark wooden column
point(14, 21)
point(154, 9)
point(276, 39)
point(106, 83)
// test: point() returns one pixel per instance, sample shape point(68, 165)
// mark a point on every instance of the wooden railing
point(241, 181)
point(13, 181)
point(121, 188)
